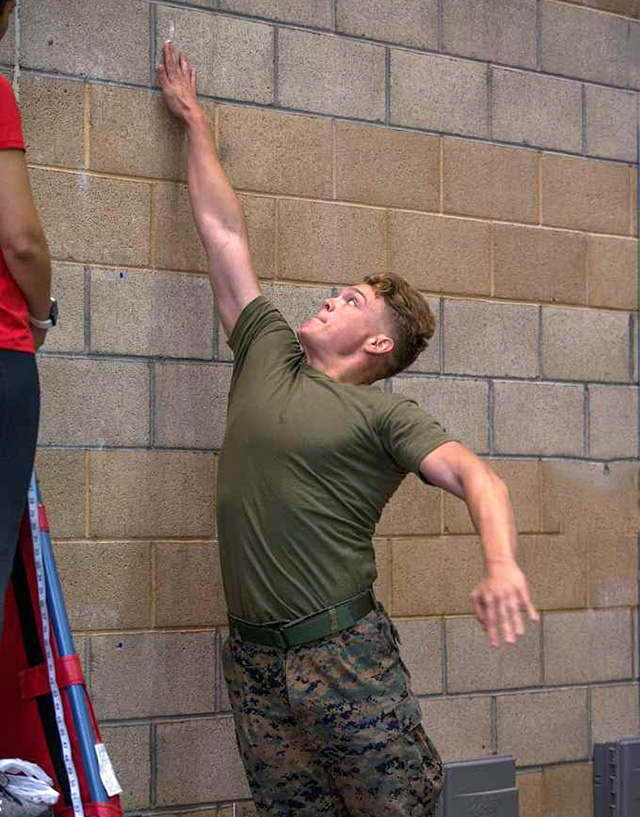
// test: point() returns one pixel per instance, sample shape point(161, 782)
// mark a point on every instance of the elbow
point(25, 247)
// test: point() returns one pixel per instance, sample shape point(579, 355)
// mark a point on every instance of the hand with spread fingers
point(177, 79)
point(498, 601)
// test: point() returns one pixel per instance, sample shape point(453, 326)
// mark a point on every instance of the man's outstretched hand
point(177, 78)
point(499, 598)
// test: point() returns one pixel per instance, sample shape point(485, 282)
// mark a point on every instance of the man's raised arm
point(217, 212)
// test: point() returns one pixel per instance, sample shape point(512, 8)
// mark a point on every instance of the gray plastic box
point(480, 788)
point(617, 778)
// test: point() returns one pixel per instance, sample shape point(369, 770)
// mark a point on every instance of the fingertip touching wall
point(487, 151)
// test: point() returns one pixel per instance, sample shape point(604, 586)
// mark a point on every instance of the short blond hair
point(412, 322)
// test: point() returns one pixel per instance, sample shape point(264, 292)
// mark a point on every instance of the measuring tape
point(34, 518)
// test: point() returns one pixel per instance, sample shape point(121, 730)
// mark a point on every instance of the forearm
point(216, 207)
point(490, 508)
point(29, 263)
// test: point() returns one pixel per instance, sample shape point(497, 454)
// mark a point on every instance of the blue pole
point(64, 640)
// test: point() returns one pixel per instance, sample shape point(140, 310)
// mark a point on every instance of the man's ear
point(379, 345)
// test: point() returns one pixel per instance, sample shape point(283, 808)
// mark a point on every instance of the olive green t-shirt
point(307, 466)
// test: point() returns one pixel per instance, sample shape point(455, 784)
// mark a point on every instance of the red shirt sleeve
point(10, 122)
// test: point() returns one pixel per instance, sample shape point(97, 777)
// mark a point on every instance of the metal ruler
point(34, 518)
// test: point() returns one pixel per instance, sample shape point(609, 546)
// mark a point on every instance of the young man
point(325, 718)
point(25, 315)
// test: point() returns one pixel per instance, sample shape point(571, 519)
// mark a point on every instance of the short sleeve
point(261, 331)
point(409, 433)
point(11, 136)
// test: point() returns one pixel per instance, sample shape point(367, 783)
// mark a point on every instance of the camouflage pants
point(331, 727)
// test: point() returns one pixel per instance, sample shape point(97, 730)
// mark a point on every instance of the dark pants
point(332, 727)
point(19, 415)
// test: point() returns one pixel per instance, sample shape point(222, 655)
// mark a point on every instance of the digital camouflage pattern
point(331, 727)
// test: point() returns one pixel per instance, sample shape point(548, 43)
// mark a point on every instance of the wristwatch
point(51, 321)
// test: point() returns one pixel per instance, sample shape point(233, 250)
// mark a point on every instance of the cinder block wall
point(484, 149)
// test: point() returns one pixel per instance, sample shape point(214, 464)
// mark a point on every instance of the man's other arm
point(217, 212)
point(22, 238)
point(503, 591)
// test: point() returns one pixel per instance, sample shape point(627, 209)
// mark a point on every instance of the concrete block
point(296, 303)
point(584, 344)
point(613, 426)
point(177, 244)
point(533, 109)
point(611, 123)
point(189, 590)
point(152, 494)
point(586, 194)
point(272, 152)
point(224, 705)
point(439, 254)
point(413, 510)
point(586, 646)
point(583, 43)
point(514, 665)
point(382, 584)
point(614, 712)
point(130, 753)
point(8, 46)
point(521, 478)
point(234, 57)
point(191, 404)
point(539, 265)
point(94, 402)
point(63, 484)
point(435, 576)
point(490, 181)
point(414, 23)
point(152, 314)
point(611, 272)
point(568, 790)
point(633, 55)
point(628, 8)
point(543, 727)
point(106, 586)
point(387, 167)
point(152, 674)
point(613, 560)
point(460, 727)
point(53, 120)
point(488, 30)
point(590, 499)
point(509, 333)
point(331, 75)
point(132, 133)
point(316, 13)
point(556, 571)
point(530, 794)
point(106, 220)
point(421, 650)
point(538, 418)
point(198, 761)
point(90, 39)
point(439, 93)
point(68, 287)
point(332, 243)
point(459, 405)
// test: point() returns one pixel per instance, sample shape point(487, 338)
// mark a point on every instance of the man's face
point(6, 13)
point(345, 322)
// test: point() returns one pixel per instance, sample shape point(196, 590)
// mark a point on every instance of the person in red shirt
point(26, 312)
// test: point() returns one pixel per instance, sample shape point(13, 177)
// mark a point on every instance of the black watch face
point(53, 314)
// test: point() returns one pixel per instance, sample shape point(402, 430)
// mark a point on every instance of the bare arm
point(22, 238)
point(499, 596)
point(217, 212)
